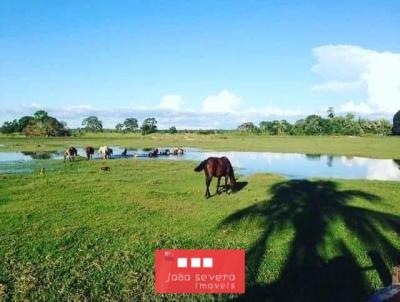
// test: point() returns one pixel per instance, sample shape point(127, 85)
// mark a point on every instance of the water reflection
point(302, 166)
point(40, 155)
point(329, 161)
point(313, 156)
point(291, 165)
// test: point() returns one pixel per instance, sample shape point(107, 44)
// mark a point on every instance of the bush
point(396, 124)
point(173, 130)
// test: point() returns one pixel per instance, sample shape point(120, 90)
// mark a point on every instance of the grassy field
point(78, 234)
point(373, 146)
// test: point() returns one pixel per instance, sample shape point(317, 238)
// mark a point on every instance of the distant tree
point(314, 125)
point(40, 115)
point(281, 127)
point(149, 125)
point(383, 126)
point(173, 130)
point(396, 124)
point(331, 112)
point(299, 127)
point(10, 127)
point(41, 124)
point(247, 127)
point(45, 126)
point(92, 123)
point(131, 124)
point(119, 127)
point(265, 127)
point(23, 122)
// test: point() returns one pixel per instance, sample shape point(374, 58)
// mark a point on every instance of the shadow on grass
point(309, 207)
point(239, 185)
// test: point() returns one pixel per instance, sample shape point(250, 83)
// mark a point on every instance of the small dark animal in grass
point(105, 169)
point(70, 153)
point(153, 153)
point(42, 172)
point(218, 167)
point(89, 152)
point(124, 153)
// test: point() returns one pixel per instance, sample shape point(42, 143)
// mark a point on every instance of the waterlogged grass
point(372, 146)
point(78, 234)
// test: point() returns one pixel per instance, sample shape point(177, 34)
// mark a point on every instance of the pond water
point(290, 165)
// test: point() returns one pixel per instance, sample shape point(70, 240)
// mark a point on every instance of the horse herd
point(106, 152)
point(213, 166)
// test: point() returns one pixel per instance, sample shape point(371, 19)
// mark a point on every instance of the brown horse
point(89, 152)
point(70, 153)
point(218, 167)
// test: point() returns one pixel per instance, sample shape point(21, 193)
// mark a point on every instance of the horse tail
point(201, 166)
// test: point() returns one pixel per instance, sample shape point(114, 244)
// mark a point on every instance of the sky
point(198, 64)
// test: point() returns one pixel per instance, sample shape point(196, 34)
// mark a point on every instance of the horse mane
point(230, 171)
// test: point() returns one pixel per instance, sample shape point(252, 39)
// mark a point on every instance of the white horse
point(105, 152)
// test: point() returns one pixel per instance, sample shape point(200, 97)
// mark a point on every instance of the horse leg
point(208, 182)
point(218, 184)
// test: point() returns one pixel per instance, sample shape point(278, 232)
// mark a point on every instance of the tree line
point(41, 124)
point(329, 125)
point(149, 125)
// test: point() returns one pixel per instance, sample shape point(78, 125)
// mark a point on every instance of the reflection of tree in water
point(329, 161)
point(39, 155)
point(310, 207)
point(397, 162)
point(313, 156)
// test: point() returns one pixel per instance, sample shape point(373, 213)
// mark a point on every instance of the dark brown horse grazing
point(218, 167)
point(89, 152)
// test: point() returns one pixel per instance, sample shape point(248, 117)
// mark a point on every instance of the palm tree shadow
point(310, 207)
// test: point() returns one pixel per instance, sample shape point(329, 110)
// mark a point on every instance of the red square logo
point(200, 271)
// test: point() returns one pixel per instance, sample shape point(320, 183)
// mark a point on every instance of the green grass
point(78, 234)
point(371, 146)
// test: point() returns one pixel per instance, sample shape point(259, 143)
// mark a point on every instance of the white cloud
point(363, 108)
point(218, 111)
point(335, 86)
point(275, 111)
point(376, 74)
point(225, 101)
point(171, 102)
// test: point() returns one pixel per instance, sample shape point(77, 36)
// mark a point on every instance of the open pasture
point(80, 234)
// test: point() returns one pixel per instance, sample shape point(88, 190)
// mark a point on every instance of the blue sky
point(198, 64)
